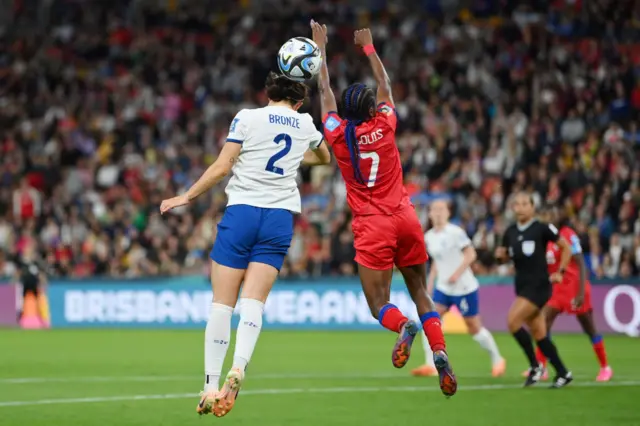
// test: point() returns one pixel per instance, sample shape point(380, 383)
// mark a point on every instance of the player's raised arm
point(327, 98)
point(364, 39)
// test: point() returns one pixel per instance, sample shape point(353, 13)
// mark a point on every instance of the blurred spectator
point(107, 110)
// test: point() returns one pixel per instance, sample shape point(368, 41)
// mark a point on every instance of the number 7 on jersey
point(375, 161)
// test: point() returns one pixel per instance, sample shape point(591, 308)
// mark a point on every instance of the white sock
point(428, 353)
point(216, 342)
point(485, 339)
point(248, 331)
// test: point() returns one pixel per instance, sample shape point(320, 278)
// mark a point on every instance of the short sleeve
point(332, 126)
point(462, 239)
point(316, 141)
point(387, 113)
point(239, 128)
point(550, 233)
point(573, 240)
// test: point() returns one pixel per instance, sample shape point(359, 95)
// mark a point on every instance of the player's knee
point(538, 334)
point(538, 328)
point(514, 324)
point(473, 325)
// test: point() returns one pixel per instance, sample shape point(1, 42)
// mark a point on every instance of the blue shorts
point(467, 304)
point(253, 234)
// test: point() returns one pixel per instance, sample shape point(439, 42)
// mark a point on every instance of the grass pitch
point(134, 377)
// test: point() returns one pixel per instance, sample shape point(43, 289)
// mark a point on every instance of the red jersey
point(383, 191)
point(571, 278)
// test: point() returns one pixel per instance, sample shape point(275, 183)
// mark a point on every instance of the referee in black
point(525, 243)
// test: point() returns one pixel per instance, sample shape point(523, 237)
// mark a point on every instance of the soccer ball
point(299, 59)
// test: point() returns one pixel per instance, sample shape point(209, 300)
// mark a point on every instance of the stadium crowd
point(105, 111)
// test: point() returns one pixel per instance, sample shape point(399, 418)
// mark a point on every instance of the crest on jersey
point(385, 109)
point(331, 124)
point(528, 247)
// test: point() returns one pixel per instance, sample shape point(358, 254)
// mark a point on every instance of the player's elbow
point(324, 159)
point(470, 254)
point(385, 85)
point(220, 169)
point(323, 154)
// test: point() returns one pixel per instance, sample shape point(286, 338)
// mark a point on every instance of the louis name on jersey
point(445, 247)
point(274, 140)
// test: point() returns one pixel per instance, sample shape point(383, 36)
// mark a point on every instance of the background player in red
point(572, 293)
point(385, 225)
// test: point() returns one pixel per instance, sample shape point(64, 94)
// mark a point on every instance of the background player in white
point(264, 149)
point(452, 254)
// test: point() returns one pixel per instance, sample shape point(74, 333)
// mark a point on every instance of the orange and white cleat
point(425, 371)
point(206, 402)
point(499, 368)
point(225, 399)
point(605, 374)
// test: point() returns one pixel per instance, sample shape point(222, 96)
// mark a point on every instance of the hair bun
point(279, 87)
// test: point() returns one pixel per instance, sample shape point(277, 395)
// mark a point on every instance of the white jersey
point(274, 140)
point(445, 248)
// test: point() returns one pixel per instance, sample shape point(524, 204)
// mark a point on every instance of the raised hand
point(319, 33)
point(362, 37)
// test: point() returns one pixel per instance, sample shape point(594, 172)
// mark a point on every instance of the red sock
point(540, 357)
point(433, 330)
point(601, 353)
point(391, 318)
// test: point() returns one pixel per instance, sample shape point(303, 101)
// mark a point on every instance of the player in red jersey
point(572, 293)
point(386, 228)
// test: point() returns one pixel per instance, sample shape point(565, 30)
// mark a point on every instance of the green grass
point(296, 378)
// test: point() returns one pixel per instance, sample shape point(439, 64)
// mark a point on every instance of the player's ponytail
point(280, 88)
point(356, 104)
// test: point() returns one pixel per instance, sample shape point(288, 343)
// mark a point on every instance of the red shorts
point(384, 240)
point(562, 297)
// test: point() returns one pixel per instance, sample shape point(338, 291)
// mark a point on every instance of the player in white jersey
point(264, 149)
point(452, 254)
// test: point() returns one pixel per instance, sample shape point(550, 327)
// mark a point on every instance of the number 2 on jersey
point(271, 164)
point(375, 161)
